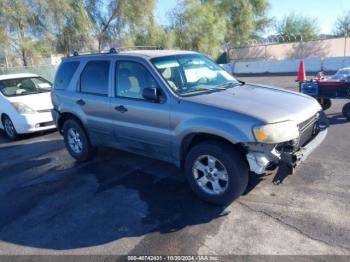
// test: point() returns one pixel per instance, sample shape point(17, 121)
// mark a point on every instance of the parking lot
point(122, 203)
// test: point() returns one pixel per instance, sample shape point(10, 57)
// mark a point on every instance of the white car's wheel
point(9, 128)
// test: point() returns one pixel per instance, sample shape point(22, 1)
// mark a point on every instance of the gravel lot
point(126, 204)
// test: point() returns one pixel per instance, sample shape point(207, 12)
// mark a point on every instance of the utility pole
point(345, 37)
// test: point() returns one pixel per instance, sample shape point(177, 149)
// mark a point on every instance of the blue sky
point(326, 11)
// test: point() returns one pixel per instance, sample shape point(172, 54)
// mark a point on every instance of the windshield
point(193, 74)
point(24, 86)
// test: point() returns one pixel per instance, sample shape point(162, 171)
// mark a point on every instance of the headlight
point(22, 108)
point(276, 133)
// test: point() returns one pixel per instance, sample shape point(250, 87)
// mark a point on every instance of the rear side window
point(65, 74)
point(94, 78)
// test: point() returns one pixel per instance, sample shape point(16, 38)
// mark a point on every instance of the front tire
point(77, 141)
point(216, 172)
point(9, 128)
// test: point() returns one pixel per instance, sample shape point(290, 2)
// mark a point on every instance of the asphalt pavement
point(121, 203)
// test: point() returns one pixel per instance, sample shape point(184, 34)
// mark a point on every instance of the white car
point(25, 104)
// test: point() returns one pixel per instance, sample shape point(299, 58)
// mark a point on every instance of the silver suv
point(180, 107)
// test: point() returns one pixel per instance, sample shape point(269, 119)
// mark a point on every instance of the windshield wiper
point(215, 88)
point(230, 84)
point(201, 90)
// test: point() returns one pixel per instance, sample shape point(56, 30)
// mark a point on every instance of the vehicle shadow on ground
point(23, 137)
point(337, 119)
point(68, 205)
point(278, 176)
point(254, 180)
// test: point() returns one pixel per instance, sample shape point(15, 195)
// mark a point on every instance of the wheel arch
point(192, 139)
point(64, 117)
point(2, 115)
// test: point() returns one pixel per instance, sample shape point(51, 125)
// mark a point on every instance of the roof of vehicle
point(344, 68)
point(138, 53)
point(157, 53)
point(14, 76)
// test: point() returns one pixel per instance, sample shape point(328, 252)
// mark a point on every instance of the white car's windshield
point(24, 86)
point(193, 74)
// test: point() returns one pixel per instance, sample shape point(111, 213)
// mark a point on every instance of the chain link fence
point(46, 71)
point(274, 39)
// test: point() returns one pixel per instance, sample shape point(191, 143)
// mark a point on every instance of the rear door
point(94, 85)
point(139, 125)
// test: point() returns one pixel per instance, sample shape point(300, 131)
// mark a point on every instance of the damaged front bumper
point(265, 157)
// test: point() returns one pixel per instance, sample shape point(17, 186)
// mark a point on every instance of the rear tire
point(9, 128)
point(208, 181)
point(346, 111)
point(77, 141)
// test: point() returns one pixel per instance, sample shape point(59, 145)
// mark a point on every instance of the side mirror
point(150, 94)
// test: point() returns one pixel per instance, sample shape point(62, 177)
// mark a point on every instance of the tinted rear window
point(94, 78)
point(65, 74)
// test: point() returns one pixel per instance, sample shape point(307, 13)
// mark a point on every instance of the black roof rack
point(140, 47)
point(115, 50)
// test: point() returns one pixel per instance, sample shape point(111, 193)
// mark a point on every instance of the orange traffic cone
point(301, 72)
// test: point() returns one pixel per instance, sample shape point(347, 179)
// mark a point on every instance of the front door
point(139, 125)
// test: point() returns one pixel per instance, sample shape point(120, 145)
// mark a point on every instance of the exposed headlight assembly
point(22, 108)
point(276, 133)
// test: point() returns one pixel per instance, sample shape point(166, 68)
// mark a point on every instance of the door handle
point(81, 102)
point(121, 109)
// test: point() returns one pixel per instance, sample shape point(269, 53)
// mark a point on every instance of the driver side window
point(132, 78)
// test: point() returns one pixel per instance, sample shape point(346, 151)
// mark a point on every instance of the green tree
point(149, 33)
point(155, 35)
point(342, 25)
point(4, 38)
point(118, 20)
point(198, 26)
point(103, 20)
point(245, 19)
point(297, 26)
point(66, 23)
point(19, 25)
point(4, 44)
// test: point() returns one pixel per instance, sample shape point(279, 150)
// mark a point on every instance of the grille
point(307, 130)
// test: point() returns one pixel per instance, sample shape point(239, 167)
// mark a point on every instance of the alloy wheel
point(210, 175)
point(74, 140)
point(9, 128)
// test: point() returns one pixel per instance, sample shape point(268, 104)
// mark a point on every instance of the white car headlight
point(276, 133)
point(22, 108)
